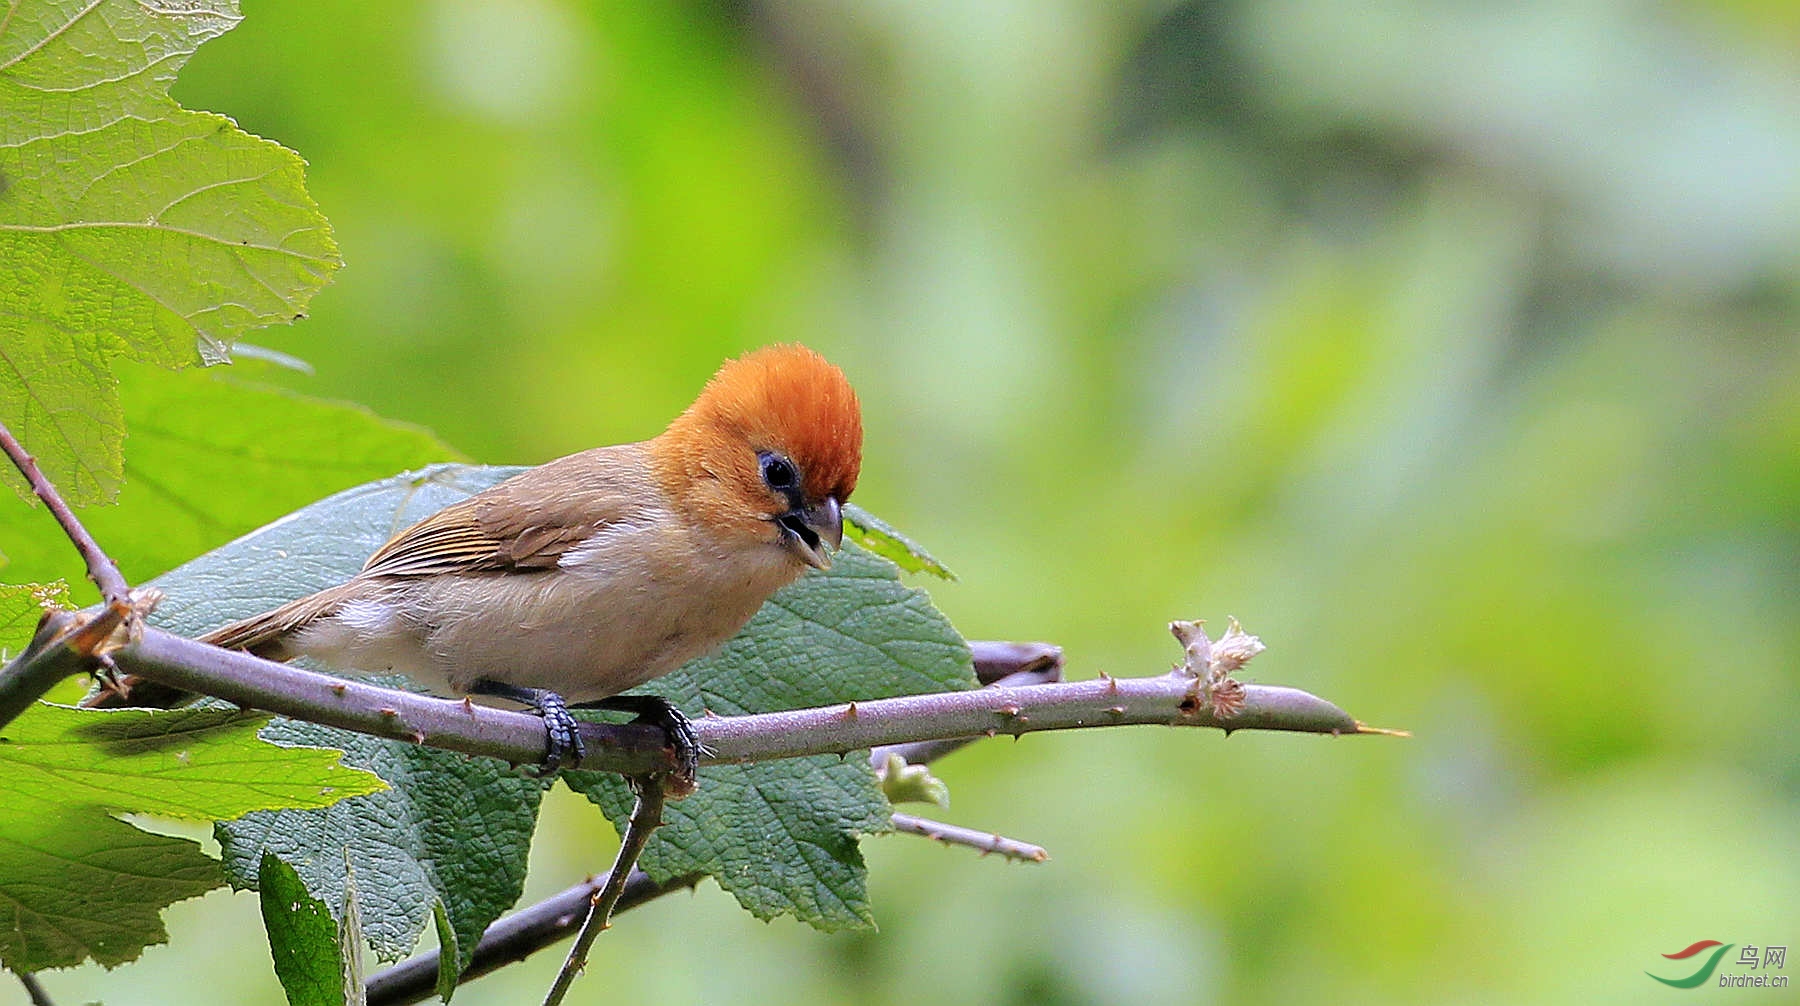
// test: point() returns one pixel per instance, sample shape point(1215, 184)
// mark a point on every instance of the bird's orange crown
point(784, 398)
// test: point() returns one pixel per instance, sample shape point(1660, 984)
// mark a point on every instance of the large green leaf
point(76, 883)
point(451, 834)
point(454, 832)
point(129, 226)
point(451, 830)
point(212, 457)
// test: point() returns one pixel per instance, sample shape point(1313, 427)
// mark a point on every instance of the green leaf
point(303, 937)
point(449, 960)
point(194, 764)
point(212, 457)
point(80, 884)
point(781, 836)
point(453, 829)
point(129, 227)
point(457, 830)
point(906, 783)
point(876, 535)
point(350, 944)
point(21, 605)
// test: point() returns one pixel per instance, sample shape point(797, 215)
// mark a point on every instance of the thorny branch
point(65, 644)
point(955, 834)
point(1178, 698)
point(100, 567)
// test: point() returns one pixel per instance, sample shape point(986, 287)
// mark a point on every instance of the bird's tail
point(265, 635)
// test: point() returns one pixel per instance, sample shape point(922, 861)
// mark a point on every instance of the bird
point(574, 581)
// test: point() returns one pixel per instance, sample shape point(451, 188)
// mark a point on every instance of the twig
point(636, 749)
point(1169, 699)
point(646, 817)
point(65, 644)
point(34, 989)
point(100, 567)
point(517, 937)
point(39, 666)
point(1019, 664)
point(995, 660)
point(953, 834)
point(996, 665)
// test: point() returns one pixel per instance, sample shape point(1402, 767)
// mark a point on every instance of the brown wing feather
point(527, 522)
point(450, 540)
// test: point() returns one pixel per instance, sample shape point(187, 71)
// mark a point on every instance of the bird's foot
point(563, 747)
point(658, 712)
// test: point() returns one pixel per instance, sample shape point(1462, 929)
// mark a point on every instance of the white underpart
point(373, 618)
point(370, 635)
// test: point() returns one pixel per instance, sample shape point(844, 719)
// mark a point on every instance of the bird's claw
point(562, 735)
point(686, 744)
point(562, 732)
point(656, 711)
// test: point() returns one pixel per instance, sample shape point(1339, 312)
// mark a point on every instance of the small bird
point(591, 574)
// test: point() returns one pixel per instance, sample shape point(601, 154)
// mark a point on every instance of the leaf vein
point(53, 36)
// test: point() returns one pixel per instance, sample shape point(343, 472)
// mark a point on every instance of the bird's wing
point(527, 522)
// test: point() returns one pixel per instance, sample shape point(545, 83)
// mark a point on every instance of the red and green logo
point(1699, 977)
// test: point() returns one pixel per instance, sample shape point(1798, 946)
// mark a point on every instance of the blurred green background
point(1451, 347)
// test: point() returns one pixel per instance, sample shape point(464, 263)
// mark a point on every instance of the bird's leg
point(563, 742)
point(658, 712)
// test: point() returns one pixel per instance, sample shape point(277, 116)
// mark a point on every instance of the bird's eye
point(779, 472)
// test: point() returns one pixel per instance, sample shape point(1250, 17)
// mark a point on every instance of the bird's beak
point(812, 528)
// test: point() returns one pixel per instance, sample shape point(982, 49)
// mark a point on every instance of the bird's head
point(770, 450)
